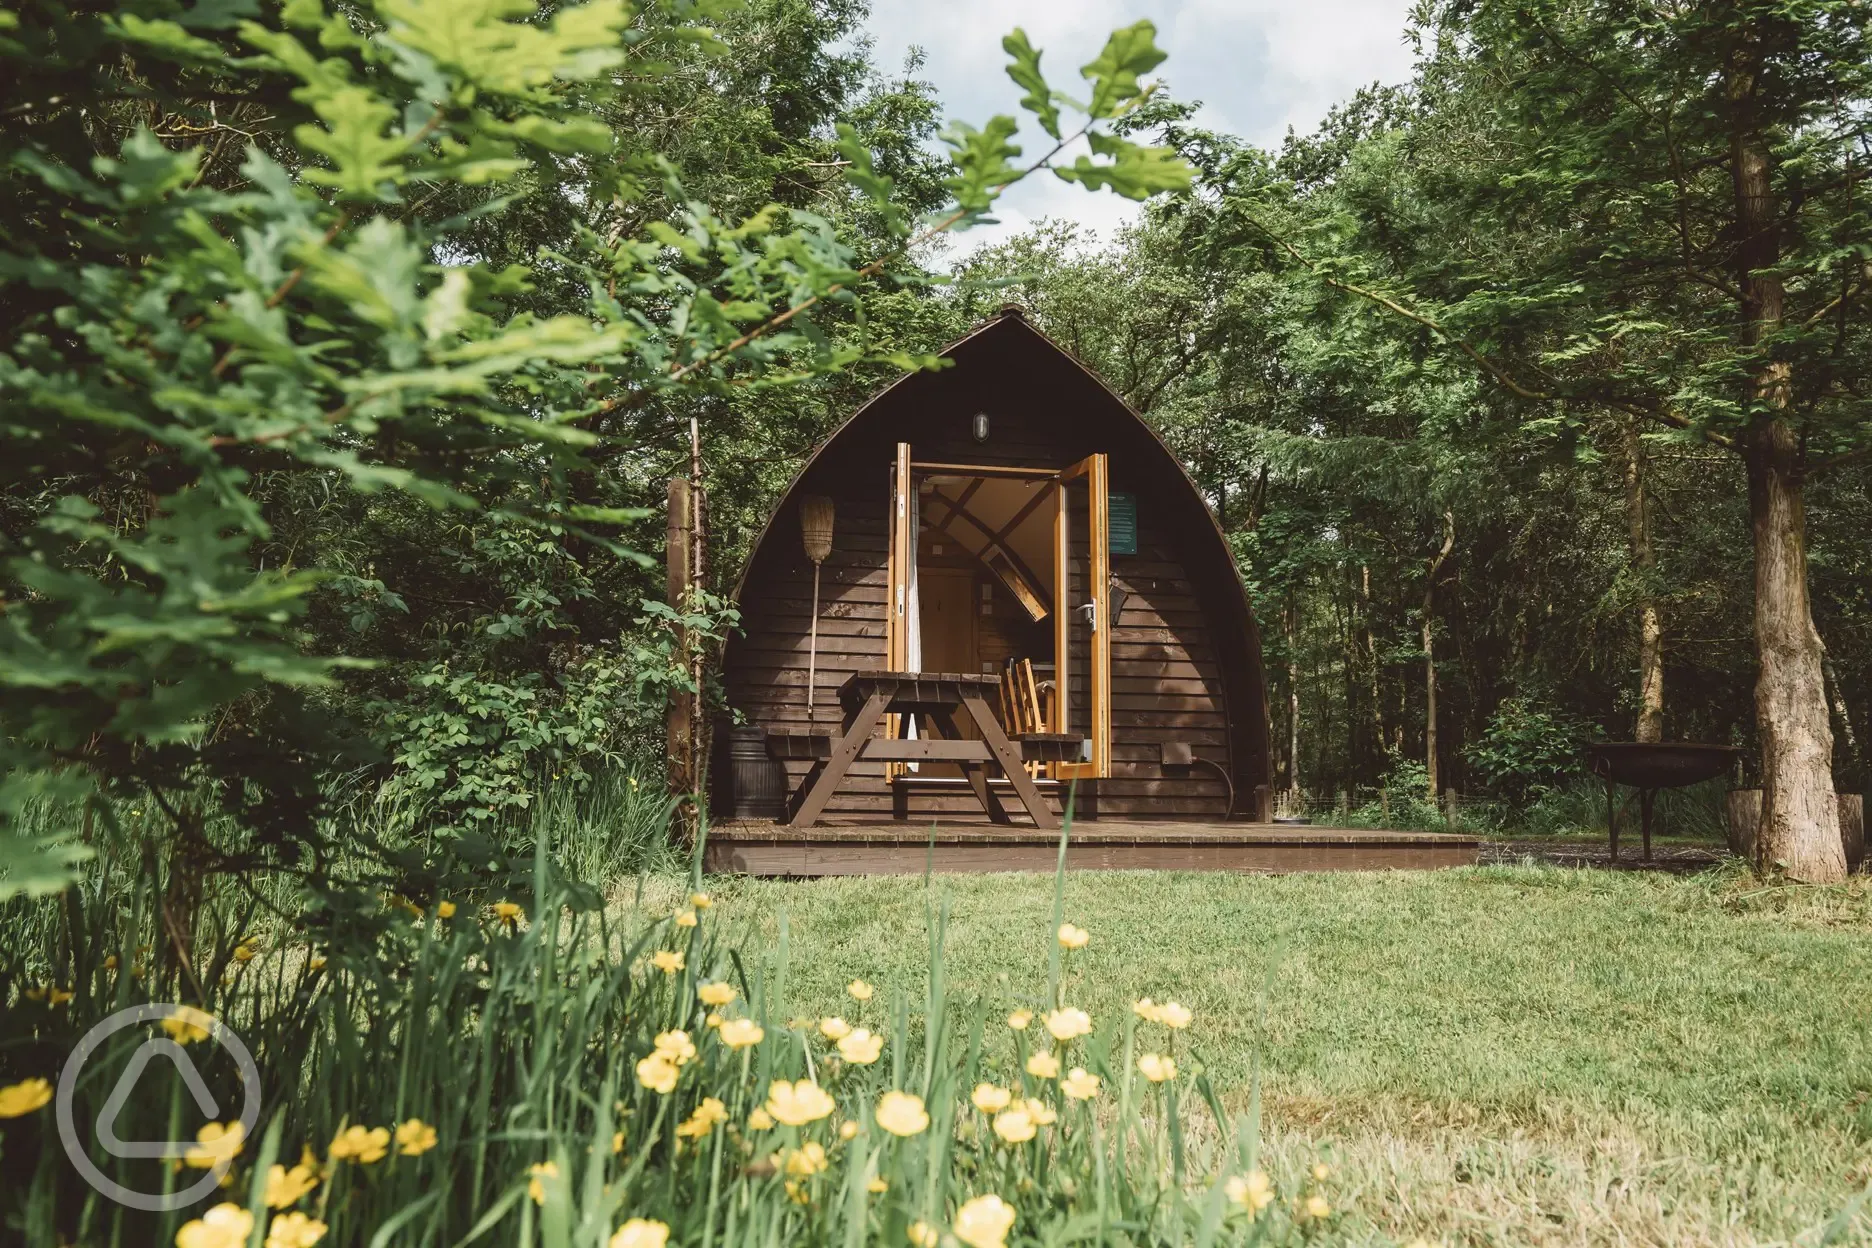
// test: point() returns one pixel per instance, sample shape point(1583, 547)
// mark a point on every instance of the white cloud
point(1258, 66)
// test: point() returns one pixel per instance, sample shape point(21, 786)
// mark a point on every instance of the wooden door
point(1082, 624)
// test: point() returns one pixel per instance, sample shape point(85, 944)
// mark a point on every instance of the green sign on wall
point(1123, 524)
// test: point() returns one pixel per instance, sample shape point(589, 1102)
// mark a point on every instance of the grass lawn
point(1499, 1055)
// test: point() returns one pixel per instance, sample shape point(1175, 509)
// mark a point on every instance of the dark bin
point(751, 785)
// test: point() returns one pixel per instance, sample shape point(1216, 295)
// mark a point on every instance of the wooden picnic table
point(934, 698)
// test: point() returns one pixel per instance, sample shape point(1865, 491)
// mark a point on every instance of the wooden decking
point(750, 848)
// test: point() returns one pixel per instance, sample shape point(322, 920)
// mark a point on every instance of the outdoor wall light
point(979, 426)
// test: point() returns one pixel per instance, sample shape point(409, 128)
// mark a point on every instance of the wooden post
point(680, 769)
point(1384, 806)
point(1449, 808)
point(1264, 803)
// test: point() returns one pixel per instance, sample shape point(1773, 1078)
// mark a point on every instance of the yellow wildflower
point(1043, 1065)
point(685, 918)
point(1079, 1085)
point(715, 994)
point(1071, 937)
point(1015, 1125)
point(658, 1073)
point(315, 963)
point(859, 990)
point(361, 1144)
point(848, 1130)
point(990, 1099)
point(805, 1161)
point(1321, 1172)
point(701, 901)
point(667, 960)
point(984, 1222)
point(19, 1099)
point(110, 963)
point(1147, 1009)
point(861, 1048)
point(834, 1029)
point(797, 1104)
point(876, 1186)
point(1315, 1207)
point(760, 1120)
point(243, 953)
point(294, 1230)
point(224, 1226)
point(509, 913)
point(739, 1033)
point(1068, 1024)
point(1170, 1014)
point(676, 1046)
point(1157, 1067)
point(640, 1232)
point(922, 1235)
point(1041, 1112)
point(287, 1187)
point(900, 1113)
point(617, 1142)
point(188, 1024)
point(415, 1137)
point(703, 1120)
point(1251, 1191)
point(1019, 1019)
point(215, 1143)
point(540, 1172)
point(445, 909)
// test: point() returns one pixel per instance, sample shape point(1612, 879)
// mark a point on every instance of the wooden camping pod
point(1184, 653)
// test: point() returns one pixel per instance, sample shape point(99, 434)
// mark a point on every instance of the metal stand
point(1647, 799)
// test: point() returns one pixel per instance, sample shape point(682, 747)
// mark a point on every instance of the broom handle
point(812, 653)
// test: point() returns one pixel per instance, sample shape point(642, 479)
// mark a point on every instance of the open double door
point(1081, 577)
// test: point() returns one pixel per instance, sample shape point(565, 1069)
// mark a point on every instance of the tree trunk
point(1644, 565)
point(1371, 656)
point(1840, 708)
point(1293, 699)
point(1800, 818)
point(1429, 652)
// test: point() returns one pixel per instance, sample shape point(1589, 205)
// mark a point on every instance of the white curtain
point(913, 605)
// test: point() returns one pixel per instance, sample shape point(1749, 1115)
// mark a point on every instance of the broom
point(815, 522)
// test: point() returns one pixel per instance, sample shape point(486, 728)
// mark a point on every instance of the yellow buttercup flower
point(1321, 1172)
point(617, 1142)
point(658, 1073)
point(1071, 937)
point(701, 901)
point(287, 1187)
point(834, 1029)
point(703, 1120)
point(640, 1233)
point(667, 960)
point(1157, 1067)
point(19, 1099)
point(1019, 1019)
point(861, 1048)
point(315, 963)
point(294, 1230)
point(922, 1235)
point(900, 1113)
point(797, 1104)
point(713, 1020)
point(877, 1185)
point(760, 1120)
point(1015, 1125)
point(805, 1161)
point(990, 1099)
point(1315, 1207)
point(188, 1024)
point(715, 994)
point(859, 990)
point(224, 1226)
point(1068, 1024)
point(1146, 1009)
point(984, 1222)
point(1079, 1085)
point(536, 1184)
point(739, 1033)
point(1042, 1113)
point(445, 909)
point(243, 953)
point(1252, 1191)
point(848, 1130)
point(215, 1143)
point(1043, 1065)
point(415, 1137)
point(686, 918)
point(361, 1144)
point(509, 913)
point(1170, 1014)
point(676, 1046)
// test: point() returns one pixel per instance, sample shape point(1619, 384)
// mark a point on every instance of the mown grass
point(1499, 1055)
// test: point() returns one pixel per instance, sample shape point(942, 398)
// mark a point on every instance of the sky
point(1257, 66)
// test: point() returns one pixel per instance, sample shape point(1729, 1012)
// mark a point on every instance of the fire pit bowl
point(1659, 764)
point(1649, 766)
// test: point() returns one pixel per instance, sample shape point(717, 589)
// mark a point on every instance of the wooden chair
point(1025, 714)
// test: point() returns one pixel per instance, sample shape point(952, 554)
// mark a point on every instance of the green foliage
point(1528, 748)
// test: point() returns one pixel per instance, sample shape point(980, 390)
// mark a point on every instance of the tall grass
point(526, 1038)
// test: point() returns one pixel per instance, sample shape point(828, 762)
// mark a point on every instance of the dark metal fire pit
point(1652, 765)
